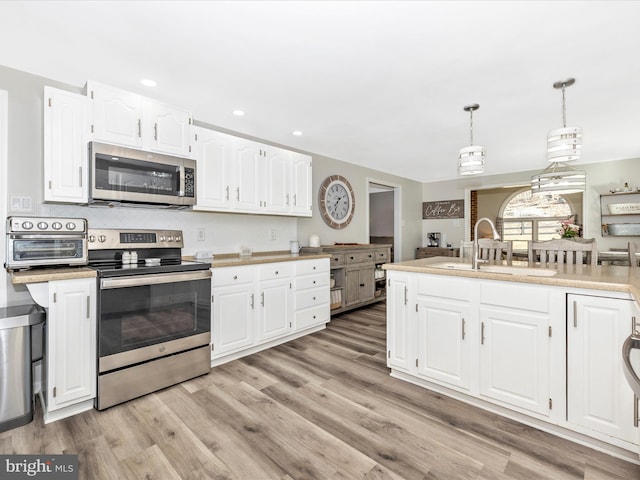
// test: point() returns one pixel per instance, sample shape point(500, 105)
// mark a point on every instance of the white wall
point(601, 177)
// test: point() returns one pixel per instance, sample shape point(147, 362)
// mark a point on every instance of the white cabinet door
point(233, 318)
point(166, 128)
point(277, 180)
point(301, 188)
point(247, 157)
point(275, 310)
point(65, 146)
point(116, 115)
point(71, 343)
point(444, 344)
point(401, 333)
point(213, 153)
point(514, 358)
point(599, 397)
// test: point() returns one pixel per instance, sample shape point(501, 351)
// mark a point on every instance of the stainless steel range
point(154, 313)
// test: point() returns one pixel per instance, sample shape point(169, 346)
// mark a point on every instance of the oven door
point(143, 317)
point(40, 250)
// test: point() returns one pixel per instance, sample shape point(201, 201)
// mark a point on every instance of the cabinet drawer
point(455, 288)
point(359, 257)
point(231, 276)
point(306, 267)
point(312, 281)
point(523, 297)
point(311, 298)
point(311, 317)
point(382, 255)
point(337, 259)
point(276, 270)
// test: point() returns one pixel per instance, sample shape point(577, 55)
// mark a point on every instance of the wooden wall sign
point(443, 209)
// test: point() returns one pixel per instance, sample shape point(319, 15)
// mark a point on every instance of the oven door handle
point(155, 279)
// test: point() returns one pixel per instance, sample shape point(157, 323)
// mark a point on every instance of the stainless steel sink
point(502, 269)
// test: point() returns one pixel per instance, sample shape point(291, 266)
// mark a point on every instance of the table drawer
point(276, 270)
point(337, 259)
point(311, 298)
point(307, 267)
point(311, 317)
point(312, 281)
point(382, 255)
point(231, 276)
point(359, 257)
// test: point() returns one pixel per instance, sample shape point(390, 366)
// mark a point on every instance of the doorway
point(383, 215)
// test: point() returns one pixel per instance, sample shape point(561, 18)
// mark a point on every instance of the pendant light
point(563, 145)
point(471, 158)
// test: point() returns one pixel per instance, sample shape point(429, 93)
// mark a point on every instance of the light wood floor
point(323, 406)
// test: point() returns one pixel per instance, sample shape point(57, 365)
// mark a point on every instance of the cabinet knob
point(276, 272)
point(235, 277)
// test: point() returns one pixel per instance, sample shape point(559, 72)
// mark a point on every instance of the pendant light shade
point(564, 144)
point(559, 178)
point(471, 158)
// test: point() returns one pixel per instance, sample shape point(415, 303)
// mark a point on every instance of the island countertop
point(602, 277)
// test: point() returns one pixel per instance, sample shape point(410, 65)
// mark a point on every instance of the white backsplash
point(224, 232)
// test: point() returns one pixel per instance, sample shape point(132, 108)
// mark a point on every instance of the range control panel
point(107, 239)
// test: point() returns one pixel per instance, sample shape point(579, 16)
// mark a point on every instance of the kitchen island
point(542, 346)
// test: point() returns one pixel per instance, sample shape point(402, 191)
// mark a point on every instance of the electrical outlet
point(201, 235)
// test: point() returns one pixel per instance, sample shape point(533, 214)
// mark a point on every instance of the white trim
point(4, 127)
point(397, 213)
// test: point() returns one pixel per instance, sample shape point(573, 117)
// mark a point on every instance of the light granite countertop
point(38, 275)
point(602, 277)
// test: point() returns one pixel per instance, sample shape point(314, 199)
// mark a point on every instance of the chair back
point(466, 249)
point(564, 251)
point(492, 250)
point(633, 249)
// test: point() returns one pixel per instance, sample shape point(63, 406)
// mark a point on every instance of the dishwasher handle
point(631, 343)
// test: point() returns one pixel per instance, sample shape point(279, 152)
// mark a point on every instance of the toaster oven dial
point(170, 238)
point(27, 225)
point(178, 238)
point(56, 225)
point(71, 226)
point(92, 238)
point(102, 238)
point(42, 225)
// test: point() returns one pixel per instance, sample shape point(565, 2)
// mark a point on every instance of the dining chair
point(492, 250)
point(564, 251)
point(633, 249)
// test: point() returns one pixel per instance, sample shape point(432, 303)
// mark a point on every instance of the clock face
point(336, 201)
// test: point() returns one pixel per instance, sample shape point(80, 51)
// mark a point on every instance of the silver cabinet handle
point(295, 199)
point(80, 174)
point(88, 306)
point(139, 128)
point(631, 343)
point(252, 300)
point(155, 131)
point(262, 299)
point(482, 333)
point(405, 296)
point(238, 194)
point(575, 314)
point(463, 332)
point(227, 192)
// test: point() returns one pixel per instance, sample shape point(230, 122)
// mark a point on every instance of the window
point(533, 217)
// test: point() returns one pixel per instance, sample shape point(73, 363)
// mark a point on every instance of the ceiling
point(379, 84)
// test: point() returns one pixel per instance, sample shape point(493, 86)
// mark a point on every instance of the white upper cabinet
point(247, 163)
point(277, 180)
point(166, 128)
point(213, 153)
point(125, 118)
point(65, 146)
point(301, 189)
point(116, 115)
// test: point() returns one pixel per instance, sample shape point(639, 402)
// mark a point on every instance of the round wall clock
point(337, 202)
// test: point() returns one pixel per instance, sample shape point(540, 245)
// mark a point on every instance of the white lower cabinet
point(70, 353)
point(233, 310)
point(598, 396)
point(547, 355)
point(259, 306)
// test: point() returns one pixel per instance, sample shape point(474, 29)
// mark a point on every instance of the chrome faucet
point(475, 261)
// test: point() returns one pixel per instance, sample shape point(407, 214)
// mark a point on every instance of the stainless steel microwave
point(138, 177)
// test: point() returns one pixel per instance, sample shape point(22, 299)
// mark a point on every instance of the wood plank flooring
point(320, 407)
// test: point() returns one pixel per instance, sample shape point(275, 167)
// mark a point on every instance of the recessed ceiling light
point(148, 82)
point(297, 133)
point(238, 113)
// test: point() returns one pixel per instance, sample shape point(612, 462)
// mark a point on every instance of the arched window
point(533, 217)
